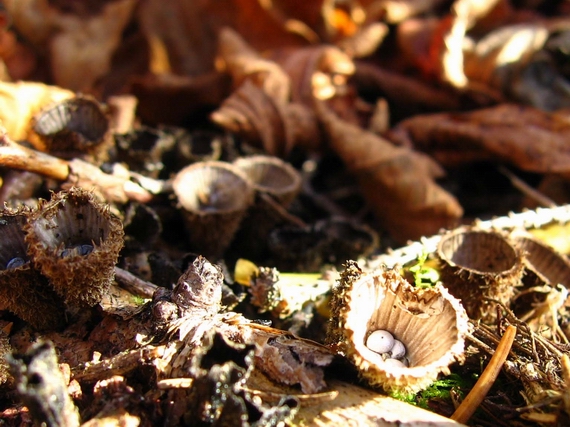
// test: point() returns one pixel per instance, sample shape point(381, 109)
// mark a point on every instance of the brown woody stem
point(470, 404)
point(16, 156)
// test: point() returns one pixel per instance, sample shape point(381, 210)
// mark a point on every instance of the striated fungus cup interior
point(13, 248)
point(72, 127)
point(214, 186)
point(75, 241)
point(550, 266)
point(272, 175)
point(429, 322)
point(214, 196)
point(479, 267)
point(23, 291)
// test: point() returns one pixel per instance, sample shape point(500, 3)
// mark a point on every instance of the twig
point(526, 189)
point(133, 284)
point(120, 364)
point(487, 379)
point(16, 156)
point(282, 212)
point(114, 188)
point(175, 383)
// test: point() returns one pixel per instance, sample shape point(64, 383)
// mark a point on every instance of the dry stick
point(281, 211)
point(16, 156)
point(175, 383)
point(78, 172)
point(526, 189)
point(487, 379)
point(134, 284)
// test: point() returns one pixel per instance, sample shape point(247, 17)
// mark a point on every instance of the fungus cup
point(430, 323)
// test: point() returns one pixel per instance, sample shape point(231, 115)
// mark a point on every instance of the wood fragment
point(16, 156)
point(120, 364)
point(134, 284)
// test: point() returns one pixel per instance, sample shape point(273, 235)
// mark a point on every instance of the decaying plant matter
point(398, 183)
point(148, 147)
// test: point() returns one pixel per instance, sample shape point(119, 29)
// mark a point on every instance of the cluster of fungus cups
point(59, 256)
point(430, 324)
point(23, 290)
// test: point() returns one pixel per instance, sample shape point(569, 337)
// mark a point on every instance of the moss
point(440, 390)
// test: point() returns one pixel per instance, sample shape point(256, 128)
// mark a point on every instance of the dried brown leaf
point(263, 120)
point(316, 71)
point(243, 62)
point(494, 57)
point(398, 183)
point(188, 29)
point(80, 45)
point(171, 99)
point(529, 138)
point(405, 92)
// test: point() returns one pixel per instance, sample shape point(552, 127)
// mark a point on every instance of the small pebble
point(15, 263)
point(398, 350)
point(380, 341)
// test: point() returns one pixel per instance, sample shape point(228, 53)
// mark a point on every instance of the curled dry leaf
point(316, 71)
point(398, 183)
point(405, 92)
point(531, 139)
point(522, 61)
point(437, 46)
point(260, 119)
point(494, 57)
point(186, 29)
point(243, 62)
point(464, 14)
